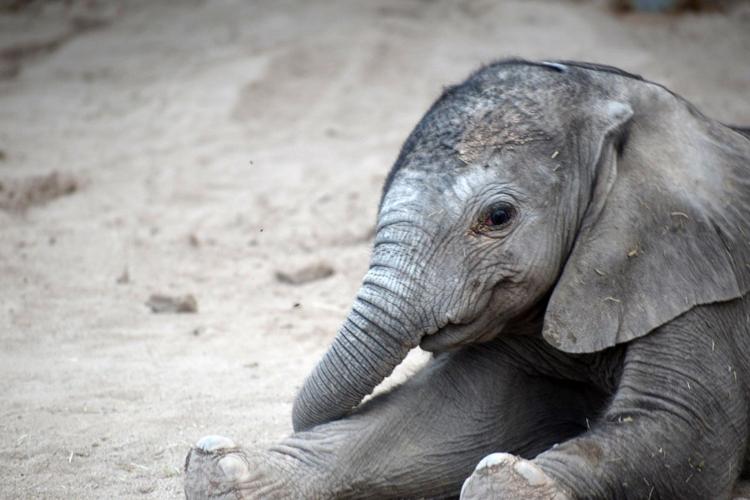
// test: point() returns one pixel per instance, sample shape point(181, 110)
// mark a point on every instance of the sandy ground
point(203, 147)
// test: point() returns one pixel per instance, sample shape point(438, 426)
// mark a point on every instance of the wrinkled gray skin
point(597, 342)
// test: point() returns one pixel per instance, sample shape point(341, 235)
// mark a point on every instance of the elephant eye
point(499, 215)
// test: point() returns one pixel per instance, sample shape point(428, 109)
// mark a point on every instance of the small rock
point(307, 274)
point(159, 303)
point(124, 278)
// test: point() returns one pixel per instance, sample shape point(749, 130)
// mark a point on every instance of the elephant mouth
point(474, 327)
point(454, 335)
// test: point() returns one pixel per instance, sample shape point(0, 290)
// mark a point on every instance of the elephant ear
point(666, 227)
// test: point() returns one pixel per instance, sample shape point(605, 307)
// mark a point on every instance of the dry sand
point(209, 148)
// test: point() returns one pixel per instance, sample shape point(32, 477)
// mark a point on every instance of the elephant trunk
point(372, 341)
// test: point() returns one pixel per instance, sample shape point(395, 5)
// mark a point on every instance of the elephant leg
point(422, 439)
point(676, 428)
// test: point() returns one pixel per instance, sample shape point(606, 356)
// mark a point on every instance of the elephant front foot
point(506, 476)
point(217, 468)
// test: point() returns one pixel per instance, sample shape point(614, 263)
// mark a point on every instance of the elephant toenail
point(214, 443)
point(494, 459)
point(533, 475)
point(233, 467)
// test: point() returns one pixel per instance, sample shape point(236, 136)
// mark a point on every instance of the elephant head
point(578, 192)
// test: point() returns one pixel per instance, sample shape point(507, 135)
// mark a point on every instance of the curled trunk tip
point(361, 356)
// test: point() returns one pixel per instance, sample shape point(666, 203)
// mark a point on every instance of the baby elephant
point(572, 242)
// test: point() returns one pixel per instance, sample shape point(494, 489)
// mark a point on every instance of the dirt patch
point(306, 274)
point(160, 304)
point(19, 194)
point(42, 37)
